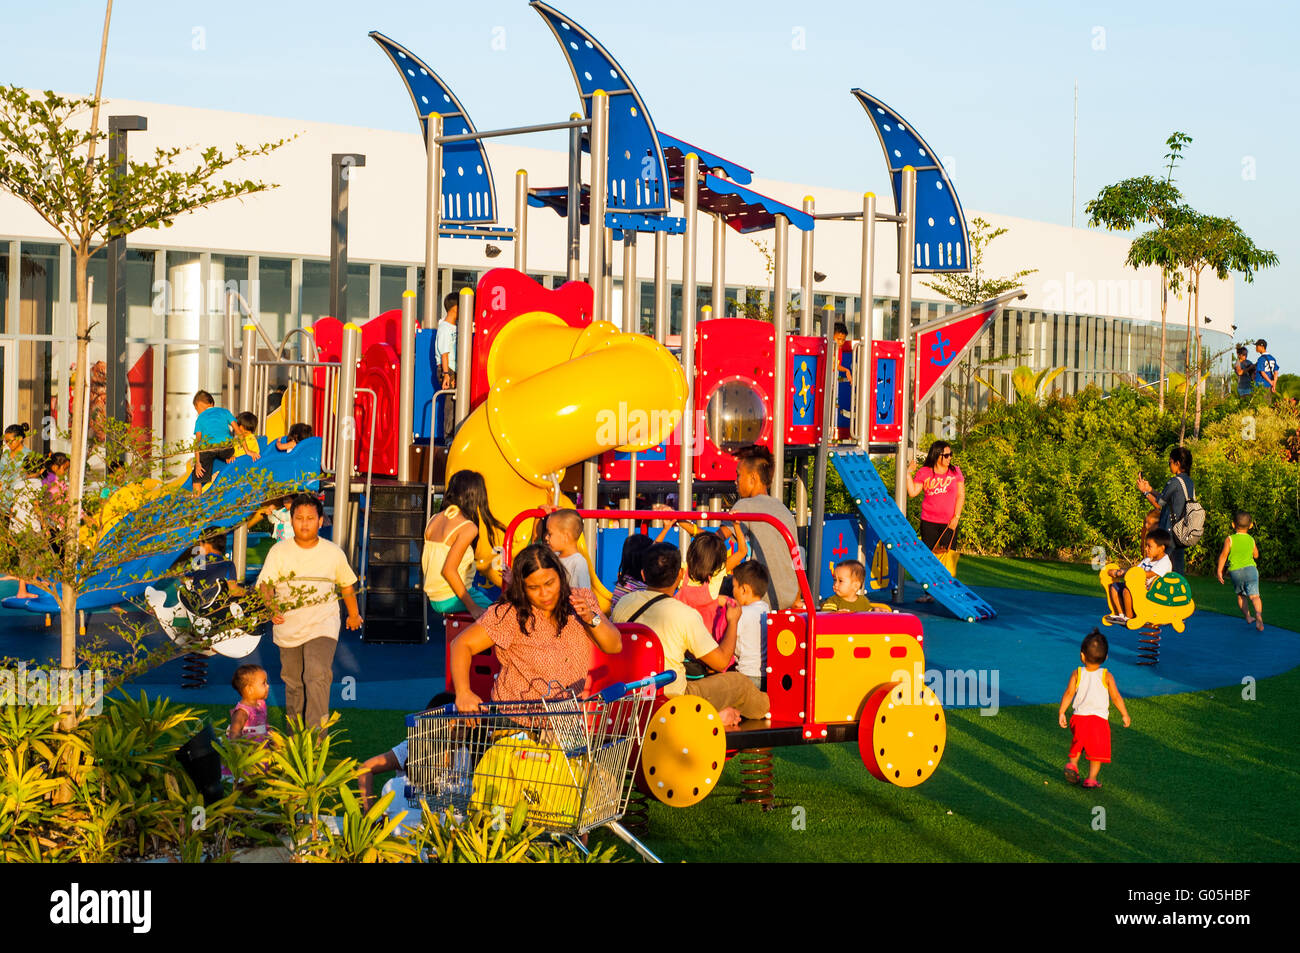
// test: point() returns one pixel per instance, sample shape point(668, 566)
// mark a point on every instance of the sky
point(989, 84)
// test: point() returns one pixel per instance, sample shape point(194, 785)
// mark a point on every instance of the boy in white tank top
point(1093, 689)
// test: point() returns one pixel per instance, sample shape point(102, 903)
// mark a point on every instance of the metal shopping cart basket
point(571, 760)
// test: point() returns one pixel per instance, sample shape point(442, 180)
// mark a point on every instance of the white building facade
point(1085, 311)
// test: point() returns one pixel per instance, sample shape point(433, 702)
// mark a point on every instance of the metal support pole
point(906, 256)
point(596, 204)
point(663, 306)
point(590, 488)
point(573, 200)
point(117, 396)
point(521, 220)
point(229, 387)
point(341, 166)
point(345, 434)
point(607, 277)
point(806, 274)
point(247, 353)
point(631, 287)
point(867, 307)
point(464, 352)
point(780, 259)
point(690, 206)
point(801, 492)
point(599, 242)
point(823, 461)
point(719, 300)
point(406, 389)
point(432, 218)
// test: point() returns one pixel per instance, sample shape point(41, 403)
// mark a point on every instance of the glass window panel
point(38, 284)
point(359, 292)
point(274, 296)
point(143, 319)
point(4, 292)
point(315, 291)
point(392, 285)
point(182, 368)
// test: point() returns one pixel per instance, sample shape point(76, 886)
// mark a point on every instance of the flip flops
point(1072, 773)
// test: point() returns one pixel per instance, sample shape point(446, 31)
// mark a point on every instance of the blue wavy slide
point(300, 465)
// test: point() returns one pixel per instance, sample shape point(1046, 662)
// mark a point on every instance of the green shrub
point(111, 789)
point(1057, 479)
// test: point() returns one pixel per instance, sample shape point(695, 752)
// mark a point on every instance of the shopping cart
point(571, 760)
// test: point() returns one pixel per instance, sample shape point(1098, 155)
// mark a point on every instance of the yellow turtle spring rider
point(1167, 602)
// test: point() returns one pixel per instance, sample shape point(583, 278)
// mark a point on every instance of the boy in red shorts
point(1092, 688)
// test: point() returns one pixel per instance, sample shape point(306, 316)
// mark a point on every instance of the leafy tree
point(132, 515)
point(54, 164)
point(1194, 242)
point(974, 286)
point(1147, 200)
point(753, 306)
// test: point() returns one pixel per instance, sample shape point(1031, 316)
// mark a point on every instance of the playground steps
point(394, 599)
point(877, 506)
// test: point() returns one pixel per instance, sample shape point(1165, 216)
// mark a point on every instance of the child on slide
point(448, 558)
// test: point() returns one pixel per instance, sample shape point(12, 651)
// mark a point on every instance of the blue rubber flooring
point(1033, 645)
point(1030, 649)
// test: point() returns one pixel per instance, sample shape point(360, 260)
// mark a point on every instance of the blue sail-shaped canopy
point(469, 195)
point(636, 176)
point(942, 242)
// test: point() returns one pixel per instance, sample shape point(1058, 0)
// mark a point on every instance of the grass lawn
point(1202, 776)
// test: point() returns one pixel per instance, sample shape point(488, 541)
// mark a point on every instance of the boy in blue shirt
point(1266, 368)
point(212, 427)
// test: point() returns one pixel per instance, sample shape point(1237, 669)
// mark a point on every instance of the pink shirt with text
point(940, 500)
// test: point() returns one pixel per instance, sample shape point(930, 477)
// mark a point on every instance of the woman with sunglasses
point(945, 495)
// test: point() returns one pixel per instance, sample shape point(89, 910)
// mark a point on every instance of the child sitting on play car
point(1156, 564)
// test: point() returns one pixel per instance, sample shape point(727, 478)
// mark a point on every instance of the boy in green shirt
point(1239, 554)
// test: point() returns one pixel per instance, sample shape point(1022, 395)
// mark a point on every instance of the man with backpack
point(1180, 513)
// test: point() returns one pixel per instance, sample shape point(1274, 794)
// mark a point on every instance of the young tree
point(974, 286)
point(753, 307)
point(1147, 200)
point(1194, 241)
point(135, 527)
point(53, 164)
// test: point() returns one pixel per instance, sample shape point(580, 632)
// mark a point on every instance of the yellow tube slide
point(559, 395)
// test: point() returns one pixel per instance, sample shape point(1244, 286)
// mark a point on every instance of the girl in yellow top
point(448, 558)
point(1239, 554)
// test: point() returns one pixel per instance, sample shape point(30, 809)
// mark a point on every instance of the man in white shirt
point(681, 630)
point(445, 342)
point(307, 572)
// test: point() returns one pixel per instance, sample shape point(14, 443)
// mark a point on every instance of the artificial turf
point(1201, 776)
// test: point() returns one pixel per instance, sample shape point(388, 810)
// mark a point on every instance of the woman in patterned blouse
point(542, 630)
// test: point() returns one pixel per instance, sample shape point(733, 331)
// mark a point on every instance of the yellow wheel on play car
point(684, 750)
point(901, 733)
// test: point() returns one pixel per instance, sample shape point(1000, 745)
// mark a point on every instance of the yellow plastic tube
point(559, 395)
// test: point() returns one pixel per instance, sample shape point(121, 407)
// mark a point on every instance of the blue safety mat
point(878, 508)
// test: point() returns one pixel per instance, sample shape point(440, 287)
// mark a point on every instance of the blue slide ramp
point(878, 508)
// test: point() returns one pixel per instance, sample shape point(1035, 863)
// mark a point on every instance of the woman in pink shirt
point(945, 495)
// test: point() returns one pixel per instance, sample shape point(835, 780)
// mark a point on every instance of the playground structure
point(540, 372)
